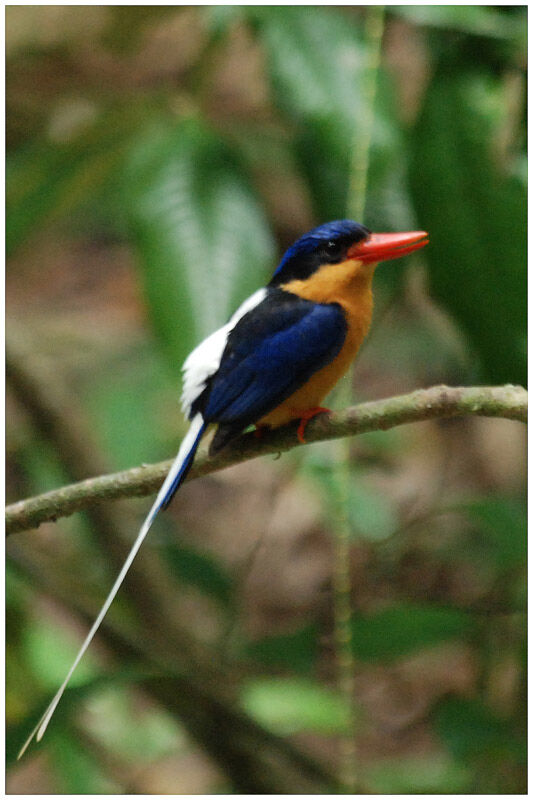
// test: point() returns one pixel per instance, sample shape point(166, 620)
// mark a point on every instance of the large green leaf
point(297, 650)
point(76, 767)
point(491, 21)
point(202, 238)
point(503, 524)
point(51, 663)
point(123, 729)
point(132, 404)
point(404, 629)
point(384, 636)
point(17, 733)
point(288, 705)
point(317, 60)
point(407, 775)
point(475, 212)
point(371, 514)
point(71, 702)
point(199, 569)
point(469, 728)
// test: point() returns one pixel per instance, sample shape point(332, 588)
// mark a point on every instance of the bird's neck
point(349, 284)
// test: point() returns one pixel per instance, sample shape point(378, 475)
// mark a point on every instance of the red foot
point(304, 419)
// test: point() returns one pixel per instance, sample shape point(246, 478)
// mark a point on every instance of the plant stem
point(343, 534)
point(357, 187)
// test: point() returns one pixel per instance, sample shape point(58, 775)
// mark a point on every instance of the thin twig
point(509, 402)
point(357, 189)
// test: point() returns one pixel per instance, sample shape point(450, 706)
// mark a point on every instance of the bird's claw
point(304, 419)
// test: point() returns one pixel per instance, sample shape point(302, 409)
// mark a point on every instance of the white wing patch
point(201, 364)
point(205, 359)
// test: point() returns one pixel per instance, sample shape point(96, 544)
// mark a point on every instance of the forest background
point(159, 160)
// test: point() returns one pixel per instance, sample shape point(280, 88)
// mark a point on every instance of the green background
point(159, 160)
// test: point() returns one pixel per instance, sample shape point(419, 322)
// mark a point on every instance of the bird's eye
point(333, 250)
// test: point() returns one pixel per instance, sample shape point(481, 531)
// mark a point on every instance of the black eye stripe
point(327, 244)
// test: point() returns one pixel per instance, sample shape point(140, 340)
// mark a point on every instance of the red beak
point(384, 246)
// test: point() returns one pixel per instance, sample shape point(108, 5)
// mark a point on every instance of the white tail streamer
point(188, 445)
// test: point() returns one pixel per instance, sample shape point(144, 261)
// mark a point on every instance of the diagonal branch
point(509, 402)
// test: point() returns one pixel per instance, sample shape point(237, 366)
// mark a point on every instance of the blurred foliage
point(200, 570)
point(202, 141)
point(475, 209)
point(288, 705)
point(419, 776)
point(384, 637)
point(198, 227)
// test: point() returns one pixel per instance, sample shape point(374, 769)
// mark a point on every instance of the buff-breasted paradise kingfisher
point(276, 359)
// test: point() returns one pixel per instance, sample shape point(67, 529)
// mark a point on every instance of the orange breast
point(350, 285)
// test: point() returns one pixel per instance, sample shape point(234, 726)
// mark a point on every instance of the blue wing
point(271, 352)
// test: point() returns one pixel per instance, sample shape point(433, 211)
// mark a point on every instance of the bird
point(274, 361)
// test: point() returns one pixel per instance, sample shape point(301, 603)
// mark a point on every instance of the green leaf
point(303, 45)
point(503, 524)
point(122, 728)
point(127, 404)
point(17, 734)
point(51, 663)
point(406, 776)
point(317, 60)
point(372, 515)
point(474, 211)
point(41, 466)
point(297, 650)
point(471, 19)
point(200, 570)
point(202, 239)
point(219, 19)
point(288, 705)
point(77, 770)
point(469, 729)
point(384, 636)
point(404, 629)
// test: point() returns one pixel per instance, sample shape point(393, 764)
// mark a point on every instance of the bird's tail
point(174, 479)
point(182, 464)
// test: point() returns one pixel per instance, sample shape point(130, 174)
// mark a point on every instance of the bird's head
point(342, 241)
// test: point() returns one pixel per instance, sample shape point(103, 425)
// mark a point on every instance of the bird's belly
point(311, 394)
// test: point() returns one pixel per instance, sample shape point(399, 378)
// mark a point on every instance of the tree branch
point(509, 402)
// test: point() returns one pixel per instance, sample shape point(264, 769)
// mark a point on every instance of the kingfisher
point(275, 360)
